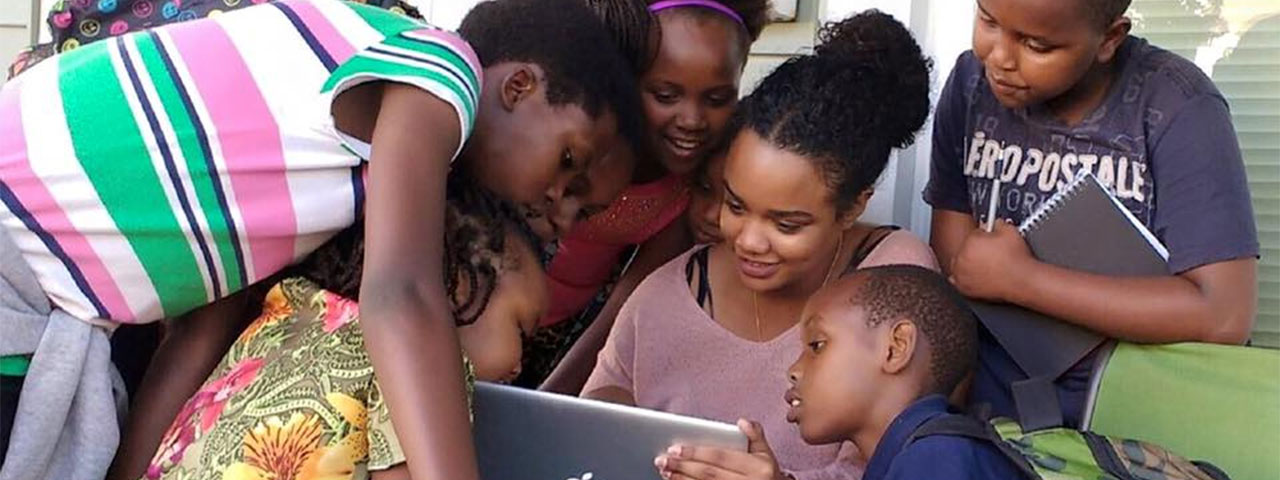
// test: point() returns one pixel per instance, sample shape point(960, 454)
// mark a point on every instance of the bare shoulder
point(902, 247)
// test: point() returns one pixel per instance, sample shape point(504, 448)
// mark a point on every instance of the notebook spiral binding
point(1053, 203)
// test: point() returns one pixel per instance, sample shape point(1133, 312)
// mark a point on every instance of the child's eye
point(788, 228)
point(734, 207)
point(719, 100)
point(665, 97)
point(566, 160)
point(1038, 47)
point(816, 345)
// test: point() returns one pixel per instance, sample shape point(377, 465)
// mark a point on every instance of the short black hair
point(940, 313)
point(1103, 12)
point(580, 56)
point(476, 251)
point(863, 92)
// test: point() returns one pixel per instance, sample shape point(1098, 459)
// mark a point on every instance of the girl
point(296, 397)
point(147, 175)
point(711, 333)
point(688, 92)
point(706, 195)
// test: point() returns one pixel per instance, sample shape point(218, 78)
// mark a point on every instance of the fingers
point(673, 468)
point(735, 460)
point(756, 442)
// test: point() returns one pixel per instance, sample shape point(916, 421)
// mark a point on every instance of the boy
point(883, 347)
point(1054, 87)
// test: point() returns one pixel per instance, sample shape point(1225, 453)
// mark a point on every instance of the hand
point(992, 265)
point(703, 463)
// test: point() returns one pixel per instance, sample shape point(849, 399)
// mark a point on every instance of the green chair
point(1215, 403)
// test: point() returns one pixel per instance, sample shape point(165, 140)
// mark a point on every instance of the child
point(1054, 88)
point(882, 349)
point(705, 197)
point(150, 174)
point(710, 334)
point(296, 396)
point(688, 89)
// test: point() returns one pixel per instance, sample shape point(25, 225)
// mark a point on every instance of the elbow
point(1230, 326)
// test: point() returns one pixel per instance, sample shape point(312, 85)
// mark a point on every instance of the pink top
point(673, 357)
point(588, 254)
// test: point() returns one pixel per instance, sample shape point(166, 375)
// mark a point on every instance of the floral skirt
point(294, 398)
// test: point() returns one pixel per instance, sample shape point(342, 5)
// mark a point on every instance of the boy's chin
point(813, 435)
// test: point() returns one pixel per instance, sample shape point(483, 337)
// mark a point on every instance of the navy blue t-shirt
point(934, 457)
point(1162, 140)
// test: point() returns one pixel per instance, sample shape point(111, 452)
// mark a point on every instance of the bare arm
point(572, 372)
point(947, 232)
point(406, 321)
point(1212, 303)
point(191, 349)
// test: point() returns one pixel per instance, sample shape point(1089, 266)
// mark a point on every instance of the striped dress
point(147, 175)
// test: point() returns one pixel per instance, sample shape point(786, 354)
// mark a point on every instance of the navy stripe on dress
point(307, 36)
point(170, 166)
point(11, 202)
point(202, 137)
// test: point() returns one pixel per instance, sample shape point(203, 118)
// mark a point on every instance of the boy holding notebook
point(1050, 89)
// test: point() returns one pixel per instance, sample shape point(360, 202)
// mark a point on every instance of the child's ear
point(1113, 37)
point(519, 85)
point(855, 211)
point(903, 339)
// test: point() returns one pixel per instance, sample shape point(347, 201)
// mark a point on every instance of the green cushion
point(1206, 402)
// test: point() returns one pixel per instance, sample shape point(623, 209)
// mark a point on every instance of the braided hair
point(476, 228)
point(863, 92)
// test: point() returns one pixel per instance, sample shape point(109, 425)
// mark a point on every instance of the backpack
point(1064, 453)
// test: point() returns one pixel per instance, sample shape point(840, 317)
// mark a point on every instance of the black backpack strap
point(957, 425)
point(1036, 400)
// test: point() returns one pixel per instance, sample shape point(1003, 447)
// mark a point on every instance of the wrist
point(1023, 281)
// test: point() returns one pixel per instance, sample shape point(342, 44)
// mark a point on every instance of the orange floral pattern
point(294, 399)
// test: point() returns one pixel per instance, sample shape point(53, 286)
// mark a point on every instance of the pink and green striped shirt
point(149, 174)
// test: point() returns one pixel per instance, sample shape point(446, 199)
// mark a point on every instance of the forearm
point(189, 352)
point(1138, 309)
point(414, 350)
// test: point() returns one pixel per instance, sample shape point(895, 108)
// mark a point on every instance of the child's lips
point(793, 405)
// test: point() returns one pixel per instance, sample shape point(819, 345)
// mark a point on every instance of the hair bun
point(876, 53)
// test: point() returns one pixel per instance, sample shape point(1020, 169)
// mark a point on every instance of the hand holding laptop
point(685, 462)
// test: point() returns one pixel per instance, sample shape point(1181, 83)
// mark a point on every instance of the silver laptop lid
point(528, 435)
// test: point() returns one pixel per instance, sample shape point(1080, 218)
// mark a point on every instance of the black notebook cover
point(1082, 228)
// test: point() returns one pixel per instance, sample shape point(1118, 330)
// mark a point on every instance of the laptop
point(530, 435)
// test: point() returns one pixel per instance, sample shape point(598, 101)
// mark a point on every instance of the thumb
point(756, 442)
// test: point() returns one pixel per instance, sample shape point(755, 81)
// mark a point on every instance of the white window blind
point(1237, 42)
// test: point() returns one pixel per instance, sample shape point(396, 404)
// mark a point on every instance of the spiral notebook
point(1082, 227)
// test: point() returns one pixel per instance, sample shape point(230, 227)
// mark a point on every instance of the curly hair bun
point(877, 53)
point(863, 92)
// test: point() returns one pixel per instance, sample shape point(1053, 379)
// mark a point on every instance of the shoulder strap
point(695, 272)
point(869, 244)
point(957, 425)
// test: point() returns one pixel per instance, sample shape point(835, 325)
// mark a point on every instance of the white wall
point(15, 33)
